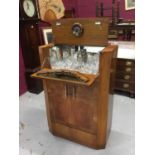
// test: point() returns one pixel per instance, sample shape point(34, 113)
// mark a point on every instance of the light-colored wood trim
point(91, 77)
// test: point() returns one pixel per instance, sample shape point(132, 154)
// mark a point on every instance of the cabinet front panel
point(59, 104)
point(87, 93)
point(73, 105)
point(84, 109)
point(95, 31)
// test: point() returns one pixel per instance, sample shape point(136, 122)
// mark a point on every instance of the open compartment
point(72, 64)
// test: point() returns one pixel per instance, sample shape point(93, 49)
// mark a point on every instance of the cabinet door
point(84, 108)
point(73, 105)
point(58, 102)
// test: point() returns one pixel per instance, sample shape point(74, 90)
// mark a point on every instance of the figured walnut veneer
point(77, 111)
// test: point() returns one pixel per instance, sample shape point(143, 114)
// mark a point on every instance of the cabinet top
point(81, 31)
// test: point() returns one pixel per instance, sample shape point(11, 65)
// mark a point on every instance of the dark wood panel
point(33, 85)
point(125, 76)
point(31, 58)
point(125, 62)
point(30, 40)
point(126, 70)
point(29, 37)
point(29, 33)
point(124, 85)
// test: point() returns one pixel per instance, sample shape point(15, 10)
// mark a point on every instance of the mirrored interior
point(84, 59)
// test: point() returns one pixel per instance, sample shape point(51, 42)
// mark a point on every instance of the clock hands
point(28, 6)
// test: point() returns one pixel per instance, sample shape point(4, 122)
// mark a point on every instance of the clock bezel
point(34, 11)
point(23, 14)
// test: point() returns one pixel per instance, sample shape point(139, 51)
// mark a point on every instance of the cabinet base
point(125, 93)
point(76, 135)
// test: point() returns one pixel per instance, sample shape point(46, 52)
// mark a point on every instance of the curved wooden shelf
point(88, 79)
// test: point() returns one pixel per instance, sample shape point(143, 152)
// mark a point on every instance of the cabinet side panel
point(104, 88)
point(112, 89)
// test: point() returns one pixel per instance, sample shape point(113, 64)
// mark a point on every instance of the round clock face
point(29, 8)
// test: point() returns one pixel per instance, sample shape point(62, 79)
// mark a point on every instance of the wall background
point(86, 8)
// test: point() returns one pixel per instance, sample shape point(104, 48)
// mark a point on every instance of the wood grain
point(80, 112)
point(93, 34)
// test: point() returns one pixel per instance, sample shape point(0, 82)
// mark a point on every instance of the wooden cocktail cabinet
point(78, 71)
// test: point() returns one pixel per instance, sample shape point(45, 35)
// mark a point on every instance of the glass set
point(72, 58)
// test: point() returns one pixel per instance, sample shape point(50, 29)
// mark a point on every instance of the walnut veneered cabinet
point(80, 110)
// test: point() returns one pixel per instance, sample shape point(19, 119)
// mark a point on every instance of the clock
point(28, 9)
point(29, 20)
